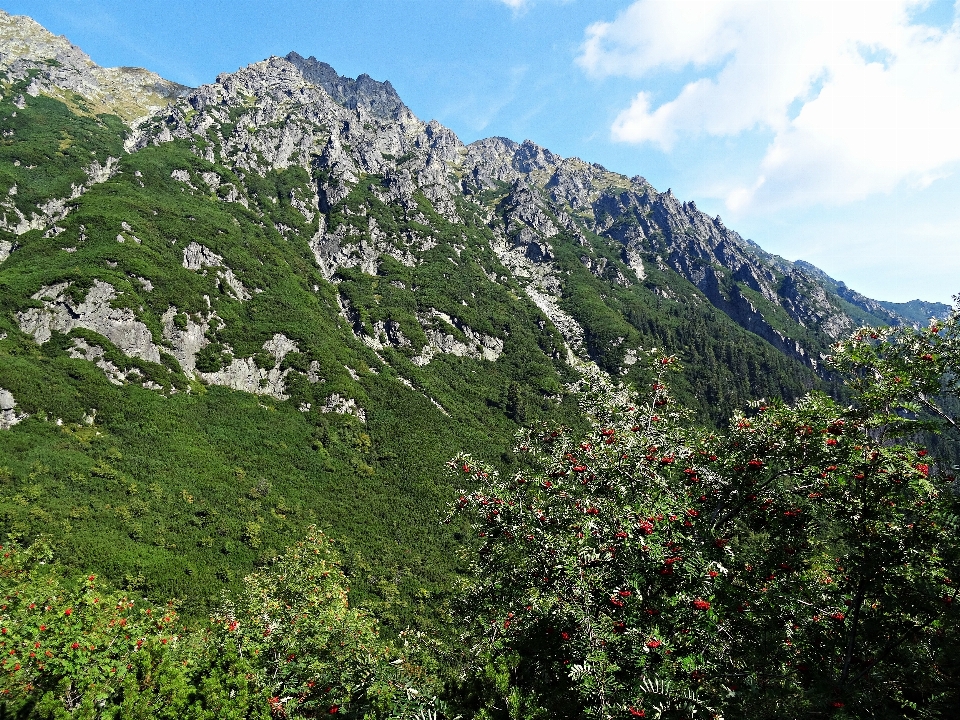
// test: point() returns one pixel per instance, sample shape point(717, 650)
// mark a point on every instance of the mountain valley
point(281, 299)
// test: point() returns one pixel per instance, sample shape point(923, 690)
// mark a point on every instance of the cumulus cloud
point(857, 97)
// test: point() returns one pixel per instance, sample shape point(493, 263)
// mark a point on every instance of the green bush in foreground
point(802, 563)
point(288, 646)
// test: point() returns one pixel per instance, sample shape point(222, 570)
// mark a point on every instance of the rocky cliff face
point(378, 99)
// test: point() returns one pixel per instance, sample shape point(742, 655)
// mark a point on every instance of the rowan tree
point(800, 562)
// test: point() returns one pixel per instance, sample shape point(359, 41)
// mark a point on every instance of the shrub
point(289, 645)
point(801, 561)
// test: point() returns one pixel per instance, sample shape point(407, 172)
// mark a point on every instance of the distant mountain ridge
point(917, 311)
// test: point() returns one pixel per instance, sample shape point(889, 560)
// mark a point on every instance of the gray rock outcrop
point(8, 410)
point(197, 257)
point(244, 373)
point(61, 313)
point(343, 406)
point(439, 341)
point(95, 354)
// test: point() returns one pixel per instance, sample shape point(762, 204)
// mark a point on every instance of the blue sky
point(824, 131)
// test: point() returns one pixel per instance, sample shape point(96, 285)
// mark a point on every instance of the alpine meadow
point(308, 408)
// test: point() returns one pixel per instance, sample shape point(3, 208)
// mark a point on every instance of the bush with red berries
point(289, 646)
point(803, 560)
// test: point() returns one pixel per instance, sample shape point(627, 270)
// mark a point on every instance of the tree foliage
point(288, 646)
point(802, 561)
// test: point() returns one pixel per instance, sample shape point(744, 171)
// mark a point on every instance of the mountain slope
point(58, 68)
point(282, 299)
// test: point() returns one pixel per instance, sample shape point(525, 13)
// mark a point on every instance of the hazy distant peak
point(918, 312)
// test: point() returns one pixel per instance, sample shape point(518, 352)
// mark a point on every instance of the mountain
point(918, 311)
point(379, 99)
point(57, 68)
point(281, 299)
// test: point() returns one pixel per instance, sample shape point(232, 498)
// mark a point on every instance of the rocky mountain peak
point(356, 137)
point(377, 98)
point(530, 157)
point(21, 37)
point(60, 68)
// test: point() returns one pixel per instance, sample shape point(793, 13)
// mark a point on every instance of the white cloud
point(896, 247)
point(515, 4)
point(858, 100)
